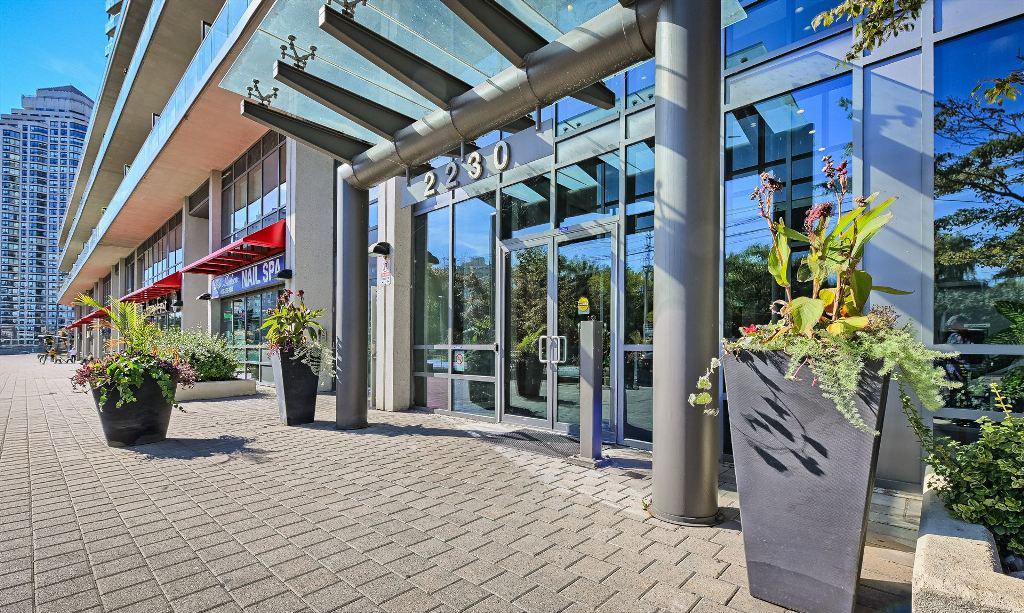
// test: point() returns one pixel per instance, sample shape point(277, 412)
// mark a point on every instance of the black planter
point(134, 423)
point(296, 385)
point(804, 477)
point(529, 372)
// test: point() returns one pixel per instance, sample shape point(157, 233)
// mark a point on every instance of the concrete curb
point(207, 390)
point(957, 568)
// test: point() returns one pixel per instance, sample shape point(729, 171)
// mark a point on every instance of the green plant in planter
point(292, 326)
point(982, 482)
point(134, 354)
point(210, 356)
point(525, 347)
point(830, 331)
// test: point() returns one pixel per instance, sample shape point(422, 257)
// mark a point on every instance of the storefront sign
point(260, 274)
point(384, 277)
point(583, 306)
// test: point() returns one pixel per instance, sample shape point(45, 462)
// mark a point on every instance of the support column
point(686, 269)
point(213, 243)
point(351, 297)
point(195, 243)
point(393, 385)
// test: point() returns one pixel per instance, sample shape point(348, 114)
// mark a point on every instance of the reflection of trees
point(474, 307)
point(748, 292)
point(986, 160)
point(980, 159)
point(578, 277)
point(639, 297)
point(528, 295)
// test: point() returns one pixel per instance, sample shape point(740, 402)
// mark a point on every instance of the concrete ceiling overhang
point(133, 16)
point(171, 47)
point(210, 136)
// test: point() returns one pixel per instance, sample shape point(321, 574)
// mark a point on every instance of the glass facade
point(787, 136)
point(772, 25)
point(40, 148)
point(161, 254)
point(255, 189)
point(240, 321)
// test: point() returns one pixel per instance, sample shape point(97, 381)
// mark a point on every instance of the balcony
point(218, 40)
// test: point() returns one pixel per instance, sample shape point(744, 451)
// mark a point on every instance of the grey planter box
point(804, 477)
point(956, 566)
point(209, 390)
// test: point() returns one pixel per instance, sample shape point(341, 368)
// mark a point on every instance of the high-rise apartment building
point(42, 144)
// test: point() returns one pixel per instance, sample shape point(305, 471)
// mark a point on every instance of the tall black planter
point(804, 476)
point(143, 421)
point(296, 385)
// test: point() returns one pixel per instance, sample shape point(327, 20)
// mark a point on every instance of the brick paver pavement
point(416, 513)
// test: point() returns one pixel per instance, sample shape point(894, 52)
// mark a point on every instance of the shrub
point(982, 482)
point(210, 356)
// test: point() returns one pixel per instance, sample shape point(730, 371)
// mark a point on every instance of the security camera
point(380, 248)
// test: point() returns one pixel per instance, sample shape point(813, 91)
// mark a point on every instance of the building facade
point(42, 145)
point(498, 251)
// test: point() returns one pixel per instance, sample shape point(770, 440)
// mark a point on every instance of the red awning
point(97, 314)
point(239, 254)
point(158, 289)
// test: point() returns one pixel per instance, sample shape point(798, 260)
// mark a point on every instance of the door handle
point(562, 353)
point(540, 352)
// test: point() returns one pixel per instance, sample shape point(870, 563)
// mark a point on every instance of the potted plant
point(298, 356)
point(529, 370)
point(133, 385)
point(806, 399)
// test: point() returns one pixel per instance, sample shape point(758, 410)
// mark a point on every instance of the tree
point(881, 20)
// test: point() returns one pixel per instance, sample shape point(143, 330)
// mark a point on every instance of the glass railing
point(189, 85)
point(112, 22)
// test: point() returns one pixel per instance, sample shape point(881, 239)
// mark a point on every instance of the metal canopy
point(421, 76)
point(513, 39)
point(381, 120)
point(322, 138)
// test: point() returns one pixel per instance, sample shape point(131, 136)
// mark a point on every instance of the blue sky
point(47, 43)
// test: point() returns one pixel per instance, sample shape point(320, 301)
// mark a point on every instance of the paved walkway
point(416, 513)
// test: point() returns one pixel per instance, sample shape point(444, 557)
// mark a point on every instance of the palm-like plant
point(292, 324)
point(136, 333)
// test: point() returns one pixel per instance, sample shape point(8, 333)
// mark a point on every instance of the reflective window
point(639, 319)
point(431, 259)
point(573, 114)
point(254, 190)
point(638, 380)
point(525, 207)
point(587, 190)
point(640, 177)
point(771, 25)
point(977, 373)
point(786, 136)
point(640, 84)
point(162, 253)
point(979, 192)
point(473, 274)
point(241, 321)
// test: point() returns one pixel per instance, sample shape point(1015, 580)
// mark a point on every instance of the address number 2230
point(474, 163)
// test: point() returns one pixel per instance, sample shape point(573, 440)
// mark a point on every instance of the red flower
point(751, 329)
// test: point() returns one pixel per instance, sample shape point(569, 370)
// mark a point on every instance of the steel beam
point(429, 81)
point(379, 119)
point(514, 40)
point(350, 304)
point(687, 213)
point(336, 144)
point(612, 41)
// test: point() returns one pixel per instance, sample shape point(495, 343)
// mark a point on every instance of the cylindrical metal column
point(686, 228)
point(350, 303)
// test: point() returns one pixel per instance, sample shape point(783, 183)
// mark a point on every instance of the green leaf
point(869, 230)
point(778, 256)
point(845, 221)
point(795, 235)
point(885, 289)
point(860, 282)
point(805, 313)
point(847, 325)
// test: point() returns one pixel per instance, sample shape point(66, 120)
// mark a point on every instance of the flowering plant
point(292, 327)
point(134, 354)
point(830, 330)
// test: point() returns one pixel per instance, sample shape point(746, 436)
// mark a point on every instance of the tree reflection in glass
point(979, 192)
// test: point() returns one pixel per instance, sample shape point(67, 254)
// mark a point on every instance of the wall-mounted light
point(380, 249)
point(205, 296)
point(177, 301)
point(285, 274)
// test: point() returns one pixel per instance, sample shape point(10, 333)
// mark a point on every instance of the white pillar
point(195, 243)
point(393, 336)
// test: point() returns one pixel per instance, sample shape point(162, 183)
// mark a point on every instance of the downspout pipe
point(614, 40)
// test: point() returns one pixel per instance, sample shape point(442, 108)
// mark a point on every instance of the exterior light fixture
point(380, 249)
point(205, 296)
point(285, 273)
point(178, 303)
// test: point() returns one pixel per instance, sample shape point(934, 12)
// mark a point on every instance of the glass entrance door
point(551, 284)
